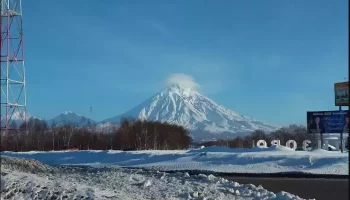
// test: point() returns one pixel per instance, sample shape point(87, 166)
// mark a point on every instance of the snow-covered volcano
point(202, 116)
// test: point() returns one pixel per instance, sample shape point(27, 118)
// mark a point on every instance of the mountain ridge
point(71, 118)
point(179, 105)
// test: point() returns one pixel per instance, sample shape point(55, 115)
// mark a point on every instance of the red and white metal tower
point(13, 86)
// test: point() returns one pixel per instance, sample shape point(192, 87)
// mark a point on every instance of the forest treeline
point(132, 135)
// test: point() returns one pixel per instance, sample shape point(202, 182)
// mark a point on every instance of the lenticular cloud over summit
point(183, 80)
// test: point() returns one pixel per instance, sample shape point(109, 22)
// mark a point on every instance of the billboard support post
point(341, 142)
point(341, 137)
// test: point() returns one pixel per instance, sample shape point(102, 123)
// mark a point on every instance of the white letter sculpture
point(276, 142)
point(294, 144)
point(261, 143)
point(325, 145)
point(306, 144)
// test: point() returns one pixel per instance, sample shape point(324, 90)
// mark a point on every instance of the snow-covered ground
point(274, 159)
point(30, 179)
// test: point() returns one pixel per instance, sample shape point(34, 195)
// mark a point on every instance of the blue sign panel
point(328, 122)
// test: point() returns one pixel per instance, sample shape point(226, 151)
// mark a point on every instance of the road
point(319, 189)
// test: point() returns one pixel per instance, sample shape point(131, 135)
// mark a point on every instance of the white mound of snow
point(126, 184)
point(27, 165)
point(279, 148)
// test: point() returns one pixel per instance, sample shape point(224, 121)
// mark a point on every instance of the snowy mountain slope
point(71, 118)
point(17, 117)
point(194, 111)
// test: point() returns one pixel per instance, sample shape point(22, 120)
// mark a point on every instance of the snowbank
point(241, 150)
point(276, 159)
point(26, 165)
point(116, 183)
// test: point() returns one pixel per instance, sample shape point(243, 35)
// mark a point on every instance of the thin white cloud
point(183, 80)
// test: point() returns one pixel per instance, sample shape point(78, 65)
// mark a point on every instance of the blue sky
point(270, 60)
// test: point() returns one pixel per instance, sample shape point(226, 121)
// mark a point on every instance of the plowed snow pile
point(29, 179)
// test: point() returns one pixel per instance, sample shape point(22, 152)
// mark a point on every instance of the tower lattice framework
point(13, 86)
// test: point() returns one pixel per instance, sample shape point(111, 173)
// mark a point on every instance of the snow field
point(276, 159)
point(23, 179)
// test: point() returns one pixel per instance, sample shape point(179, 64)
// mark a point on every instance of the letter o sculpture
point(261, 143)
point(289, 142)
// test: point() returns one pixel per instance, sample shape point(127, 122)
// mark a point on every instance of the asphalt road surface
point(310, 188)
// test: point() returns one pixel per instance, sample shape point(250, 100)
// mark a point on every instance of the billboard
point(341, 93)
point(328, 122)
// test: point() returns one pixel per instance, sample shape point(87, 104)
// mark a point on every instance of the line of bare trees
point(291, 132)
point(132, 134)
point(156, 135)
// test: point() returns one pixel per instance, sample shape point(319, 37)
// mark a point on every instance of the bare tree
point(155, 137)
point(71, 131)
